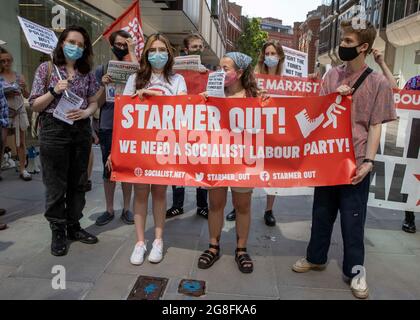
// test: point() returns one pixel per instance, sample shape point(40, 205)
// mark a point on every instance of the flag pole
point(58, 72)
point(97, 40)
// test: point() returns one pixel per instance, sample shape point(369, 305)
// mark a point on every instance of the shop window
point(77, 13)
point(412, 7)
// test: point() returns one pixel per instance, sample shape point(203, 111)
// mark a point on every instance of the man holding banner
point(119, 41)
point(372, 106)
point(194, 45)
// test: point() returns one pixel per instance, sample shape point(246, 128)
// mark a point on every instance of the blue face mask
point(158, 60)
point(72, 52)
point(271, 61)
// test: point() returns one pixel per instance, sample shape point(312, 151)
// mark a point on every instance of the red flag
point(129, 21)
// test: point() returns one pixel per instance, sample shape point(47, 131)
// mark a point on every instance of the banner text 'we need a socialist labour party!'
point(280, 142)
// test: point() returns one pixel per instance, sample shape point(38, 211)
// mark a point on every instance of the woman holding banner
point(154, 78)
point(270, 62)
point(65, 147)
point(239, 83)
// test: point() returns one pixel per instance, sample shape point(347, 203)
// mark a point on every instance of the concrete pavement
point(103, 271)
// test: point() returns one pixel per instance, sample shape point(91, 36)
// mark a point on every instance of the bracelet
point(54, 94)
point(369, 161)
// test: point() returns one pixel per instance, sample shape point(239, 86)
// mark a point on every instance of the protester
point(380, 61)
point(372, 106)
point(239, 83)
point(65, 148)
point(270, 62)
point(15, 89)
point(4, 119)
point(409, 224)
point(194, 45)
point(121, 47)
point(154, 78)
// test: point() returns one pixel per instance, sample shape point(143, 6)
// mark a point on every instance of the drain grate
point(193, 288)
point(148, 288)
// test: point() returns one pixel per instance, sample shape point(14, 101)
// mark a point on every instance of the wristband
point(369, 161)
point(54, 94)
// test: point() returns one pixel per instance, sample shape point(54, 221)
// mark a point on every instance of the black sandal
point(244, 261)
point(208, 258)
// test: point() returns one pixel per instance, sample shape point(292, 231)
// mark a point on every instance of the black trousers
point(178, 196)
point(64, 151)
point(351, 201)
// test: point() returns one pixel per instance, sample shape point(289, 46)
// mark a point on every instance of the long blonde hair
point(261, 67)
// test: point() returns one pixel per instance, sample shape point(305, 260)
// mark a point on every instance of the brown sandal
point(244, 261)
point(208, 258)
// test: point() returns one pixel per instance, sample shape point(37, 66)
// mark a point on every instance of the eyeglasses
point(75, 43)
point(121, 45)
point(6, 61)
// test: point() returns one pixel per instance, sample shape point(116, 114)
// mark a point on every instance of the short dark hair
point(193, 36)
point(84, 64)
point(115, 34)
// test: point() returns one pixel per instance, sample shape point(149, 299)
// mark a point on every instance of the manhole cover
point(193, 288)
point(148, 288)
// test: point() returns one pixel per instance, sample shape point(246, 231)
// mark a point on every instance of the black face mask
point(119, 53)
point(348, 54)
point(195, 53)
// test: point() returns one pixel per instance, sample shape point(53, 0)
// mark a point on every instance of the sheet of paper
point(216, 84)
point(112, 90)
point(192, 63)
point(66, 104)
point(120, 71)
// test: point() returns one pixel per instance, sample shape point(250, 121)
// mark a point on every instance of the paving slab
point(83, 263)
point(40, 289)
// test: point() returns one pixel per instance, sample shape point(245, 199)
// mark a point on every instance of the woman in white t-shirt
point(154, 78)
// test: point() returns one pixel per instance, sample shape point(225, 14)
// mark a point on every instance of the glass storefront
point(40, 11)
point(399, 9)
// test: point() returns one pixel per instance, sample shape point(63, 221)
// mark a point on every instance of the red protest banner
point(196, 81)
point(288, 86)
point(273, 85)
point(407, 99)
point(129, 21)
point(282, 142)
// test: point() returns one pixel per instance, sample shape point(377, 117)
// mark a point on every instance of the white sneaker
point(156, 255)
point(25, 176)
point(137, 257)
point(359, 287)
point(303, 265)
